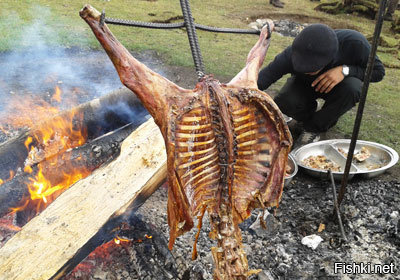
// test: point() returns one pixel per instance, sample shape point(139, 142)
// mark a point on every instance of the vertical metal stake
point(192, 36)
point(336, 205)
point(364, 91)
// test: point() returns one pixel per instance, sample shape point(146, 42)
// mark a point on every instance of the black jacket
point(353, 51)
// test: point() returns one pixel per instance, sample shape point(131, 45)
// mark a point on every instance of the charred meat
point(227, 146)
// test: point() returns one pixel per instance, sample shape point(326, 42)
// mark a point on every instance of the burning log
point(81, 160)
point(51, 242)
point(85, 122)
point(227, 146)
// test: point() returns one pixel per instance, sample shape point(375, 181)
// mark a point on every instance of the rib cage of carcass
point(227, 146)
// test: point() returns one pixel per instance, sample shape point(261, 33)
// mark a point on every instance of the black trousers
point(298, 101)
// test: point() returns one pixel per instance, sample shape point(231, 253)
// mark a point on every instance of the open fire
point(64, 132)
point(50, 167)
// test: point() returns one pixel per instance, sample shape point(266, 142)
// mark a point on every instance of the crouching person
point(324, 63)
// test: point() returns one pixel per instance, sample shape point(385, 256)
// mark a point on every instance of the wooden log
point(99, 116)
point(43, 248)
point(84, 159)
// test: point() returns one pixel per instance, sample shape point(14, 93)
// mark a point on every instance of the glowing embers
point(135, 245)
point(121, 240)
point(8, 228)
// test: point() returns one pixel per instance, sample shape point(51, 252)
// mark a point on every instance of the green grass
point(224, 54)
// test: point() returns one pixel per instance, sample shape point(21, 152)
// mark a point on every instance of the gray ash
point(287, 27)
point(371, 219)
point(284, 27)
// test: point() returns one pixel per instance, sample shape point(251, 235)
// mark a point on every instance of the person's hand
point(264, 30)
point(326, 81)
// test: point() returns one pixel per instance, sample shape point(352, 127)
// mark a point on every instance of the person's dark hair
point(314, 48)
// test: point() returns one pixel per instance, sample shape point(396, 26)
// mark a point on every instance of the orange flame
point(52, 137)
point(148, 236)
point(118, 240)
point(20, 208)
point(57, 95)
point(9, 177)
point(10, 227)
point(40, 187)
point(7, 223)
point(56, 136)
point(28, 110)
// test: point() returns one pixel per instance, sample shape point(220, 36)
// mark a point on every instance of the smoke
point(118, 115)
point(36, 62)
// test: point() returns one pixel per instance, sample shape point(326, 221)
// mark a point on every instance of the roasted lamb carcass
point(227, 146)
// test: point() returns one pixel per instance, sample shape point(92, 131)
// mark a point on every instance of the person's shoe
point(388, 17)
point(277, 3)
point(305, 138)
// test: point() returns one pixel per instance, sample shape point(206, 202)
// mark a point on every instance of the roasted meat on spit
point(227, 146)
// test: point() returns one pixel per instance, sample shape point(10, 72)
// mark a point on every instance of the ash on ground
point(371, 220)
point(284, 27)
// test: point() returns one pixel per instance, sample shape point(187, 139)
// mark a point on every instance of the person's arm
point(360, 65)
point(355, 54)
point(280, 66)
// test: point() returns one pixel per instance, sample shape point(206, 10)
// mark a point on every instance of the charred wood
point(83, 159)
point(98, 117)
point(51, 243)
point(144, 249)
point(140, 249)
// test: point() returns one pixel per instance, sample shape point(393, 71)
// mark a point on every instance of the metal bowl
point(292, 170)
point(381, 159)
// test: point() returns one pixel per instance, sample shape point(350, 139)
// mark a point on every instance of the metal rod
point(364, 91)
point(336, 206)
point(144, 24)
point(176, 25)
point(192, 36)
point(227, 30)
point(190, 29)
